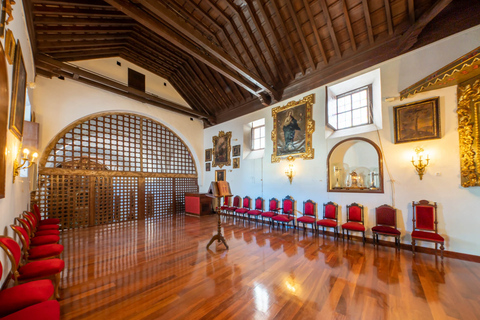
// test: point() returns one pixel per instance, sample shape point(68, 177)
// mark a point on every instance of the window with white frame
point(351, 109)
point(354, 106)
point(258, 134)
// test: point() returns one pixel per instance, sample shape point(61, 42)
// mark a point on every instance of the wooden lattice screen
point(112, 168)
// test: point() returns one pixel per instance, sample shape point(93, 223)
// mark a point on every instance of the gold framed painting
point(207, 166)
point(3, 119)
point(221, 149)
point(236, 151)
point(220, 175)
point(292, 130)
point(10, 46)
point(417, 121)
point(19, 91)
point(236, 163)
point(208, 154)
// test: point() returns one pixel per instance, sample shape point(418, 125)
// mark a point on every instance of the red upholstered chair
point(354, 220)
point(36, 270)
point(226, 204)
point(330, 217)
point(272, 210)
point(23, 296)
point(245, 207)
point(425, 225)
point(257, 211)
point(47, 230)
point(236, 204)
point(386, 218)
point(44, 221)
point(38, 240)
point(40, 228)
point(47, 251)
point(309, 214)
point(47, 310)
point(288, 212)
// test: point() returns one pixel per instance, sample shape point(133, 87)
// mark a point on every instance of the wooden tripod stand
point(217, 190)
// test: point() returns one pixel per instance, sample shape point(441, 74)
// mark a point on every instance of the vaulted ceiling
point(227, 58)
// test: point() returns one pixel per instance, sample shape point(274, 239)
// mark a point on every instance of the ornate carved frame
point(468, 111)
point(309, 129)
point(228, 137)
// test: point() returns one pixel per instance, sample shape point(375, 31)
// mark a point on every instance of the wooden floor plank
point(160, 269)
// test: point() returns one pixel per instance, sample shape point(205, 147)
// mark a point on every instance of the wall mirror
point(355, 165)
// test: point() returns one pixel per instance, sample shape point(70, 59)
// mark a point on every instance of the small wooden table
point(198, 204)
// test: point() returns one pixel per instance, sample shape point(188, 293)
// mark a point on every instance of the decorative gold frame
point(10, 46)
point(309, 129)
point(217, 140)
point(219, 173)
point(236, 163)
point(469, 132)
point(19, 92)
point(208, 154)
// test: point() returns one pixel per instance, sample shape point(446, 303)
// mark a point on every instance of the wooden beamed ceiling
point(227, 58)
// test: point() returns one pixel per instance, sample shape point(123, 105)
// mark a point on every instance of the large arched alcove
point(114, 167)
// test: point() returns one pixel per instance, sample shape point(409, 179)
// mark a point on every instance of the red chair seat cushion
point(254, 212)
point(428, 236)
point(385, 229)
point(41, 240)
point(224, 207)
point(232, 208)
point(49, 232)
point(40, 269)
point(269, 214)
point(355, 226)
point(241, 210)
point(327, 223)
point(45, 251)
point(48, 227)
point(48, 310)
point(25, 295)
point(49, 221)
point(283, 218)
point(306, 219)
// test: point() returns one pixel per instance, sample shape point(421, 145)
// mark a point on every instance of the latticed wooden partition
point(114, 167)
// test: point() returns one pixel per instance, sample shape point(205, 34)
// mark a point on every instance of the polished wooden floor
point(160, 269)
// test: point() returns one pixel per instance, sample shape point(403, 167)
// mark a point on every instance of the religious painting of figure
point(293, 128)
point(221, 149)
point(417, 121)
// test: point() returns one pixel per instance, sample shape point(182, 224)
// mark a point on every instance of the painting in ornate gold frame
point(220, 175)
point(10, 46)
point(292, 130)
point(417, 121)
point(3, 119)
point(236, 151)
point(19, 87)
point(208, 154)
point(236, 163)
point(222, 149)
point(2, 19)
point(207, 166)
point(468, 111)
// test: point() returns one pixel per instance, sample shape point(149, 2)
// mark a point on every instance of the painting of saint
point(221, 149)
point(291, 131)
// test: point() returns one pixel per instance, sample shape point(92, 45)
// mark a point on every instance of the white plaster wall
point(17, 195)
point(457, 215)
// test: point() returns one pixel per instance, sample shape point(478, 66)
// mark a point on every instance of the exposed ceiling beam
point(161, 11)
point(331, 31)
point(315, 30)
point(411, 10)
point(83, 21)
point(388, 13)
point(349, 24)
point(368, 21)
point(113, 86)
point(410, 37)
point(77, 3)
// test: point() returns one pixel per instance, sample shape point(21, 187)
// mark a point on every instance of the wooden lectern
point(217, 190)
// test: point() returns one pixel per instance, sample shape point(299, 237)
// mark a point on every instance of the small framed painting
point(19, 88)
point(236, 163)
point(208, 154)
point(236, 150)
point(207, 166)
point(417, 121)
point(220, 175)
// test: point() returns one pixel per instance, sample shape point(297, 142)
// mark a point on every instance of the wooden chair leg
point(442, 247)
point(413, 247)
point(364, 239)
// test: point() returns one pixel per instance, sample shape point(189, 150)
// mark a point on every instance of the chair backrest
point(23, 235)
point(36, 211)
point(259, 203)
point(13, 251)
point(330, 210)
point(226, 200)
point(246, 202)
point(309, 208)
point(386, 215)
point(236, 201)
point(425, 216)
point(25, 224)
point(273, 204)
point(288, 205)
point(355, 212)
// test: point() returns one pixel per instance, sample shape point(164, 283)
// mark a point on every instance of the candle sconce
point(419, 163)
point(18, 166)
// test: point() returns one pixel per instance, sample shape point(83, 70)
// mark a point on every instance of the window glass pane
point(344, 120)
point(256, 144)
point(257, 123)
point(360, 116)
point(341, 105)
point(262, 132)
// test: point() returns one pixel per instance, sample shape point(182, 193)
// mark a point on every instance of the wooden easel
point(217, 190)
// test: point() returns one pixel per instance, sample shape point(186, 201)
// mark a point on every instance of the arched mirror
point(355, 165)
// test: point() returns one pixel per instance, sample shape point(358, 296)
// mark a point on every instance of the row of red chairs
point(35, 269)
point(424, 218)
